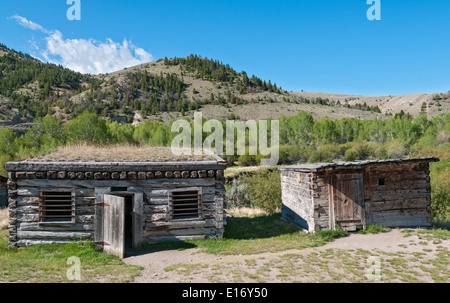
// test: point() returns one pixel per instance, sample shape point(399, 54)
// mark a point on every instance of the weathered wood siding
point(404, 200)
point(298, 198)
point(159, 227)
point(25, 228)
point(321, 200)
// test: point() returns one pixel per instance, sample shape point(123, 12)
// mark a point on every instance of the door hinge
point(102, 204)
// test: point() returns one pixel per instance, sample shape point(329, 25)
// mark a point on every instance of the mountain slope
point(29, 88)
point(172, 88)
point(436, 103)
point(224, 99)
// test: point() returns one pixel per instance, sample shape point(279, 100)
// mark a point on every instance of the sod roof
point(120, 154)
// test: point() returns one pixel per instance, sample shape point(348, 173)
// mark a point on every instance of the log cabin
point(117, 197)
point(353, 195)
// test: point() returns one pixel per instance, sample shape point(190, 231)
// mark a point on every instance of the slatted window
point(185, 204)
point(56, 206)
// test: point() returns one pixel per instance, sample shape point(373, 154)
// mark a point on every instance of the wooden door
point(114, 225)
point(348, 199)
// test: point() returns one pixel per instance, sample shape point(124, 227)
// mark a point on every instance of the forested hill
point(30, 88)
point(18, 70)
point(168, 89)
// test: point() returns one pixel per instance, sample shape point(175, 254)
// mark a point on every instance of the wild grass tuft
point(374, 229)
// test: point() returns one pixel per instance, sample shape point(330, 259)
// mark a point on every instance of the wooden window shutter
point(185, 204)
point(56, 206)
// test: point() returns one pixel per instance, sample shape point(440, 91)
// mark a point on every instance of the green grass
point(253, 235)
point(434, 234)
point(48, 263)
point(374, 229)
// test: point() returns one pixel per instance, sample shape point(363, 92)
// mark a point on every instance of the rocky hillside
point(431, 104)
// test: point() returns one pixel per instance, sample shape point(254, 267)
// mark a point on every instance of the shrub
point(248, 160)
point(351, 154)
point(396, 149)
point(440, 180)
point(342, 148)
point(379, 150)
point(440, 195)
point(264, 189)
point(360, 151)
point(237, 195)
point(294, 153)
point(325, 153)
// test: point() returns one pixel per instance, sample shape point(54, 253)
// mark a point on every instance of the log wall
point(321, 192)
point(25, 228)
point(403, 201)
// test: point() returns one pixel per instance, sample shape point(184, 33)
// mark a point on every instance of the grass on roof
point(118, 153)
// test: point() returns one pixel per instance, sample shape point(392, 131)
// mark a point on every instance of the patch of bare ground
point(4, 218)
point(402, 256)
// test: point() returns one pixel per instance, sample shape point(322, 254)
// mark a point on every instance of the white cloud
point(93, 57)
point(28, 24)
point(88, 56)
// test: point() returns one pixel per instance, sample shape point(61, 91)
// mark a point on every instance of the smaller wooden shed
point(3, 192)
point(352, 195)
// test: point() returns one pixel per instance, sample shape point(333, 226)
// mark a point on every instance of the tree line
point(302, 138)
point(215, 70)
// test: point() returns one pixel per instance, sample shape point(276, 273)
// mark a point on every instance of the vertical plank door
point(348, 201)
point(114, 225)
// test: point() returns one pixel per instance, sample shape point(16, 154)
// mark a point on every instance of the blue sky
point(314, 45)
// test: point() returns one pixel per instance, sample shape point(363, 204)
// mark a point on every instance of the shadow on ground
point(237, 228)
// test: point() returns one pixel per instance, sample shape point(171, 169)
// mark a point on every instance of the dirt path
point(342, 260)
point(393, 241)
point(154, 263)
